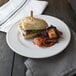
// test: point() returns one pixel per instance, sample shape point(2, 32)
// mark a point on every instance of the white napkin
point(35, 5)
point(8, 9)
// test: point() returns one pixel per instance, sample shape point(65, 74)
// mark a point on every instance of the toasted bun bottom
point(29, 36)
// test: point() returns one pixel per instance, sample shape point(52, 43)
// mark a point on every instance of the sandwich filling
point(26, 32)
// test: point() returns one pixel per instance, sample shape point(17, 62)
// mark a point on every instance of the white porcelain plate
point(28, 49)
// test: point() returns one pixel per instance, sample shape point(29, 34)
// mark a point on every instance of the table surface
point(12, 64)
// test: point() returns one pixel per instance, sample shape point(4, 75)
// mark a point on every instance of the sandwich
point(30, 26)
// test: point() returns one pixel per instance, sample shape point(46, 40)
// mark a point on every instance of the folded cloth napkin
point(63, 64)
point(15, 10)
point(8, 9)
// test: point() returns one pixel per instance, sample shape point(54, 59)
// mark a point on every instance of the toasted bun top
point(31, 23)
